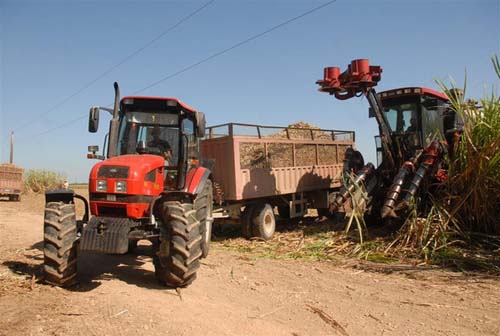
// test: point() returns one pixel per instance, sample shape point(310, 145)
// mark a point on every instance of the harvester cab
point(414, 123)
point(149, 186)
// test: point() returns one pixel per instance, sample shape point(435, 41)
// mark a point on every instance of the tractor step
point(106, 235)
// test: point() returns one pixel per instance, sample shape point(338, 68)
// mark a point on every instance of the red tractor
point(416, 128)
point(149, 186)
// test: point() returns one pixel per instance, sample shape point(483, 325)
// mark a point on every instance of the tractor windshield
point(158, 133)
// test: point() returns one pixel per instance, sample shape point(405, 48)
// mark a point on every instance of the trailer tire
point(246, 221)
point(263, 221)
point(203, 205)
point(15, 198)
point(60, 244)
point(177, 253)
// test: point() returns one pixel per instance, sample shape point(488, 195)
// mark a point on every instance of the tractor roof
point(179, 102)
point(411, 91)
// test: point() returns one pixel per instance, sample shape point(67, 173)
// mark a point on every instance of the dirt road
point(234, 294)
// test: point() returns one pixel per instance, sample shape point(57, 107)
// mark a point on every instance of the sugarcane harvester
point(408, 157)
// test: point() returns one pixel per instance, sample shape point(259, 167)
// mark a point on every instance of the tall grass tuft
point(471, 195)
point(38, 181)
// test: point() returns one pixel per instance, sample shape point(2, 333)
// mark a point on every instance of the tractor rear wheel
point(60, 244)
point(263, 221)
point(203, 205)
point(177, 254)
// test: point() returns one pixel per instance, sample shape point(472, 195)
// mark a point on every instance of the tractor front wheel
point(60, 244)
point(177, 254)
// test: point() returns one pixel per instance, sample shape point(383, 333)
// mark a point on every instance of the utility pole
point(12, 147)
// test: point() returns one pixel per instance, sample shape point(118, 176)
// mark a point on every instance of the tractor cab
point(152, 145)
point(416, 117)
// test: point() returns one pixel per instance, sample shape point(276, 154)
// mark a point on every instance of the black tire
point(246, 221)
point(14, 198)
point(177, 254)
point(203, 205)
point(263, 221)
point(284, 212)
point(132, 246)
point(324, 212)
point(60, 244)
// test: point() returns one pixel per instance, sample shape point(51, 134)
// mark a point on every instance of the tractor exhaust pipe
point(113, 127)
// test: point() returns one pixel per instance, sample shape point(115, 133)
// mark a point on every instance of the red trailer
point(11, 181)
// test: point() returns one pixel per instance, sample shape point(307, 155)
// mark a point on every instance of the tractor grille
point(113, 172)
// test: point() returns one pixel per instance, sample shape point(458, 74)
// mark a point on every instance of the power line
point(206, 59)
point(239, 44)
point(72, 121)
point(131, 55)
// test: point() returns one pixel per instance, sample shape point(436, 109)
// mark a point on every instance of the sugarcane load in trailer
point(149, 186)
point(417, 127)
point(257, 169)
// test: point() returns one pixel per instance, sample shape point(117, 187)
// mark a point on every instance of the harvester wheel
point(246, 221)
point(203, 205)
point(60, 244)
point(177, 255)
point(263, 221)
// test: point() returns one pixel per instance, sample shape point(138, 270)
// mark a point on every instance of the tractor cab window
point(157, 133)
point(192, 145)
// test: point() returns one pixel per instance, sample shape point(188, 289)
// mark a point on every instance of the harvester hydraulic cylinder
point(347, 190)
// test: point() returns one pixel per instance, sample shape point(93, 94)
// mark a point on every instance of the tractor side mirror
point(93, 119)
point(200, 124)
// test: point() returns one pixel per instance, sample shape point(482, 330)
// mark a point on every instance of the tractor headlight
point(121, 186)
point(101, 185)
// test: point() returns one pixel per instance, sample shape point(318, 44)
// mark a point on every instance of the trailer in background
point(11, 181)
point(257, 168)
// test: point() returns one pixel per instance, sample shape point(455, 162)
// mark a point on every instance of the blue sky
point(51, 49)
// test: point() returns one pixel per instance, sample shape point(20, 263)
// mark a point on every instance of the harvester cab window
point(399, 116)
point(432, 123)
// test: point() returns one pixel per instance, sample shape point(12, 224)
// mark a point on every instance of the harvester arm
point(360, 79)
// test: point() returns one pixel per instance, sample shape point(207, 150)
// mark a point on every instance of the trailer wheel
point(263, 221)
point(60, 244)
point(246, 221)
point(177, 254)
point(204, 205)
point(14, 198)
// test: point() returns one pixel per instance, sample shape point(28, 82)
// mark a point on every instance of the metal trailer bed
point(287, 167)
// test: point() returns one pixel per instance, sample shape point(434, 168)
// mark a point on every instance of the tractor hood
point(125, 185)
point(131, 167)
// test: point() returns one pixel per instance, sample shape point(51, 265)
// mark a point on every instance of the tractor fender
point(67, 196)
point(196, 179)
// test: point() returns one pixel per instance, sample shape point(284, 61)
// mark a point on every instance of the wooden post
point(11, 147)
